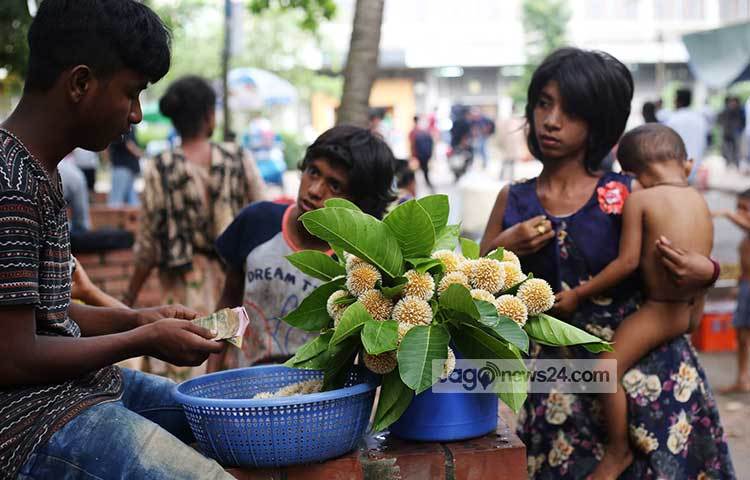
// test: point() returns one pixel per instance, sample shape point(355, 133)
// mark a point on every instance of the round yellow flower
point(412, 310)
point(420, 285)
point(353, 261)
point(449, 365)
point(467, 268)
point(484, 295)
point(537, 295)
point(513, 274)
point(361, 279)
point(381, 364)
point(378, 306)
point(450, 260)
point(488, 274)
point(336, 311)
point(511, 257)
point(513, 308)
point(457, 278)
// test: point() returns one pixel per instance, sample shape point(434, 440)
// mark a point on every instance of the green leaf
point(357, 233)
point(341, 203)
point(475, 343)
point(347, 300)
point(339, 364)
point(551, 331)
point(423, 265)
point(469, 248)
point(497, 254)
point(351, 322)
point(421, 345)
point(508, 330)
point(458, 299)
point(394, 399)
point(311, 315)
point(485, 309)
point(396, 289)
point(379, 337)
point(311, 349)
point(412, 228)
point(447, 237)
point(316, 264)
point(437, 208)
point(514, 289)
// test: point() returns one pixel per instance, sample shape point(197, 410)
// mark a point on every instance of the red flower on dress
point(612, 197)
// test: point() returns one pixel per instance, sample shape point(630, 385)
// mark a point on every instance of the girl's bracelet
point(717, 272)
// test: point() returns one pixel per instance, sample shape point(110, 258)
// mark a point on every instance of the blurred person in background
point(88, 162)
point(421, 145)
point(732, 123)
point(75, 193)
point(124, 156)
point(192, 192)
point(692, 126)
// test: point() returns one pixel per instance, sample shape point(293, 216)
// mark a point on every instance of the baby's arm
point(740, 220)
point(629, 256)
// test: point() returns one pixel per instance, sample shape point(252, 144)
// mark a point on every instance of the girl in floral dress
point(565, 225)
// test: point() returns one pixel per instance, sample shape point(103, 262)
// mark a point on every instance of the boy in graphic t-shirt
point(345, 162)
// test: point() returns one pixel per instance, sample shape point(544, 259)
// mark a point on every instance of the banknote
point(228, 323)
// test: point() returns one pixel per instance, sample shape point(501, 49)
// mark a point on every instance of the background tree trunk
point(361, 63)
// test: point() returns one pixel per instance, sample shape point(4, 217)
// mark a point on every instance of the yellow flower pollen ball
point(381, 364)
point(378, 306)
point(420, 285)
point(513, 308)
point(457, 278)
point(449, 365)
point(509, 256)
point(479, 294)
point(537, 295)
point(353, 261)
point(412, 310)
point(488, 274)
point(336, 311)
point(451, 260)
point(361, 279)
point(513, 274)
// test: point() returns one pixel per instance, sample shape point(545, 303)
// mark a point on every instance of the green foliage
point(311, 315)
point(458, 299)
point(357, 233)
point(379, 337)
point(551, 331)
point(421, 345)
point(446, 237)
point(412, 227)
point(354, 318)
point(469, 248)
point(395, 398)
point(314, 354)
point(14, 49)
point(437, 207)
point(544, 24)
point(316, 264)
point(314, 11)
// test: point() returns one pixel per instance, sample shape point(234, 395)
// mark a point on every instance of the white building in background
point(437, 53)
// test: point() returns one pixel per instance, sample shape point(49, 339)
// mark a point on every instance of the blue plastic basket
point(237, 431)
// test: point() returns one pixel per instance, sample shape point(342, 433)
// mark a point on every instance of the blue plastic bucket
point(445, 417)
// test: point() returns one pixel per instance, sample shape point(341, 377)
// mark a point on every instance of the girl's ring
point(541, 229)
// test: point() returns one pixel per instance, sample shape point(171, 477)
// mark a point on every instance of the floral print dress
point(673, 417)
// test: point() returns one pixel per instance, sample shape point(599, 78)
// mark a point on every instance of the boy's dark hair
point(683, 97)
point(187, 102)
point(368, 160)
point(648, 144)
point(106, 35)
point(594, 87)
point(745, 195)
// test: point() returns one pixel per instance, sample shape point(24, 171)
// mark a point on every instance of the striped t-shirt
point(35, 271)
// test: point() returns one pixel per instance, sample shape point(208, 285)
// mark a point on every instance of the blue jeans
point(142, 435)
point(122, 191)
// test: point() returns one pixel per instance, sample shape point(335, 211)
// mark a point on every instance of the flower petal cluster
point(382, 363)
point(488, 274)
point(420, 285)
point(412, 310)
point(537, 295)
point(451, 260)
point(484, 295)
point(362, 278)
point(457, 278)
point(336, 311)
point(513, 308)
point(377, 305)
point(513, 274)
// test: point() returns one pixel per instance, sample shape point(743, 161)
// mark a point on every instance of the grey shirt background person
point(75, 193)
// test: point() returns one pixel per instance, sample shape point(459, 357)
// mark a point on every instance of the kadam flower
point(488, 274)
point(412, 310)
point(513, 274)
point(376, 304)
point(457, 278)
point(336, 311)
point(362, 278)
point(382, 363)
point(537, 295)
point(420, 285)
point(450, 260)
point(513, 308)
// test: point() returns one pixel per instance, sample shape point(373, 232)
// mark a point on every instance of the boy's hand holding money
point(179, 341)
point(144, 316)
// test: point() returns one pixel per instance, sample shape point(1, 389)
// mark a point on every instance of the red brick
point(124, 255)
point(396, 458)
point(116, 287)
point(347, 467)
point(107, 272)
point(89, 259)
point(499, 455)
